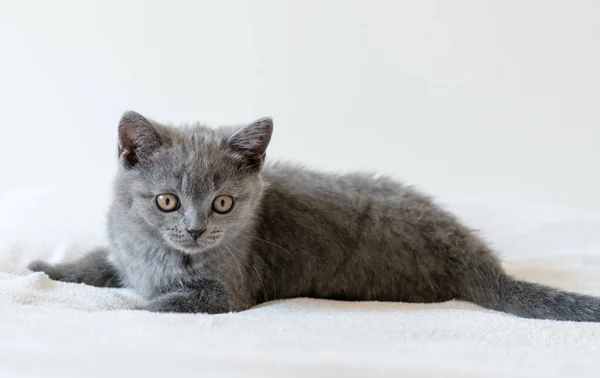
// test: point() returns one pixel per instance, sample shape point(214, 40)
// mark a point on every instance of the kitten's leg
point(208, 297)
point(92, 269)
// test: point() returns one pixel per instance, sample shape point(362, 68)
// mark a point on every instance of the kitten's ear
point(138, 139)
point(251, 142)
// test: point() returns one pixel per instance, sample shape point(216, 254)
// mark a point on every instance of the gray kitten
point(198, 223)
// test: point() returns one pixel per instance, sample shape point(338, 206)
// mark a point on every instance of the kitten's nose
point(196, 232)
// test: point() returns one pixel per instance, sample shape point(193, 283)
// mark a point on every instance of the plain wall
point(495, 99)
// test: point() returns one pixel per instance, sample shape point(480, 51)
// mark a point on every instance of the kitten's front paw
point(50, 270)
point(189, 302)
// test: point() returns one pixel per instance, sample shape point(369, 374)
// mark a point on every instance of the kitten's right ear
point(138, 139)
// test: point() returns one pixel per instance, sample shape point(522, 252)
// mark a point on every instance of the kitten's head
point(191, 187)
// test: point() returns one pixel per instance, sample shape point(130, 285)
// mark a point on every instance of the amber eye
point(167, 202)
point(222, 204)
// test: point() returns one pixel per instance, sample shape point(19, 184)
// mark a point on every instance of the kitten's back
point(353, 236)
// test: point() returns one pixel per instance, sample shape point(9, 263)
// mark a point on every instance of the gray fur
point(292, 232)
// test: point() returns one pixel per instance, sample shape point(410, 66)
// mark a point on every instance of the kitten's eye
point(222, 204)
point(167, 202)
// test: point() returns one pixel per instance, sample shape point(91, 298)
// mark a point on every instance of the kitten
point(198, 223)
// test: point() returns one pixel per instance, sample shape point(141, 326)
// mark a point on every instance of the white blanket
point(53, 329)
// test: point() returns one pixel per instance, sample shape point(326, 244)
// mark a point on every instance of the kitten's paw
point(41, 266)
point(188, 303)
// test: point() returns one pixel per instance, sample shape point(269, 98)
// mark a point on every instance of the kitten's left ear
point(252, 141)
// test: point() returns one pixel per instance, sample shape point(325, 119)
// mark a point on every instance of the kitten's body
point(296, 233)
point(338, 238)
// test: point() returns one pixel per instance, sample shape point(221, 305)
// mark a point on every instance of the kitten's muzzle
point(195, 232)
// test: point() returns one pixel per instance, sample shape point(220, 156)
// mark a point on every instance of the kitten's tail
point(530, 300)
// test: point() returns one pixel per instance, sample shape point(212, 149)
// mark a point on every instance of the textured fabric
point(55, 329)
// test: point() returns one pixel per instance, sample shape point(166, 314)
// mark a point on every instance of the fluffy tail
point(530, 300)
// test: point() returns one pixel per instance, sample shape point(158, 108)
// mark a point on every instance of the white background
point(494, 99)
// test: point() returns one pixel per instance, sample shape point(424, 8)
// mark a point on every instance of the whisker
point(273, 244)
point(262, 282)
point(236, 261)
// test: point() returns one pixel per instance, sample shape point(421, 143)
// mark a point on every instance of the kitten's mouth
point(192, 246)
